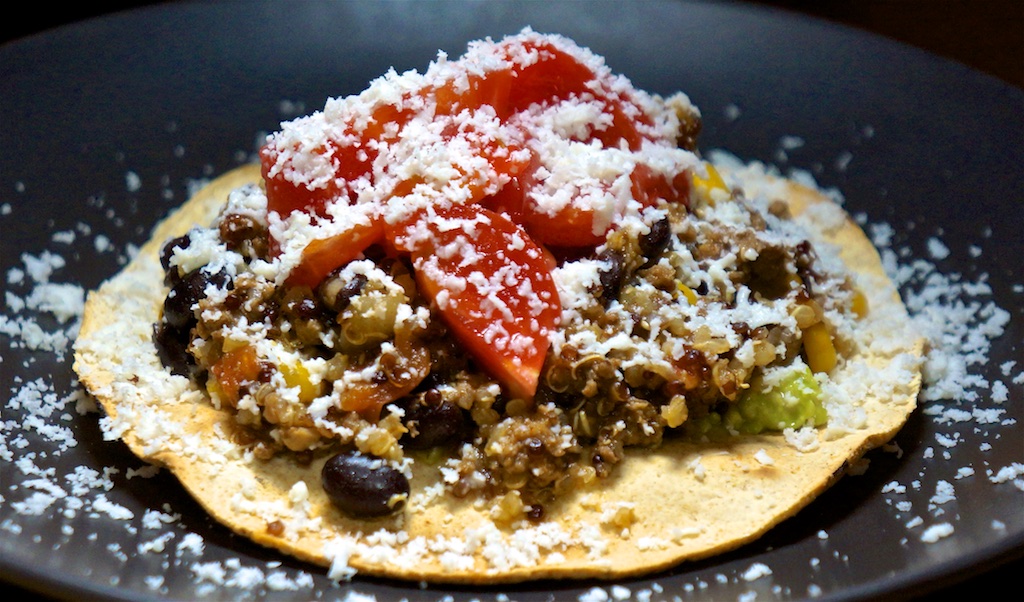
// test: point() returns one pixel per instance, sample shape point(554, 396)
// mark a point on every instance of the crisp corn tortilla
point(683, 501)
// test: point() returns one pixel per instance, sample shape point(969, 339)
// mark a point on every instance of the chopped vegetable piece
point(494, 289)
point(235, 369)
point(323, 256)
point(708, 187)
point(397, 376)
point(296, 375)
point(819, 351)
point(860, 303)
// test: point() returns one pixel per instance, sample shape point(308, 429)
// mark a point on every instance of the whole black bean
point(654, 242)
point(171, 274)
point(172, 348)
point(612, 277)
point(187, 292)
point(337, 294)
point(432, 424)
point(307, 309)
point(242, 234)
point(363, 486)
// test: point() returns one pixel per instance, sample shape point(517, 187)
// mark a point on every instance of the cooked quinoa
point(679, 299)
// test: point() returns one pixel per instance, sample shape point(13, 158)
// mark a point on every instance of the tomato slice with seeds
point(493, 287)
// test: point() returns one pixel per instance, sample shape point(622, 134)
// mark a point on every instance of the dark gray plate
point(108, 122)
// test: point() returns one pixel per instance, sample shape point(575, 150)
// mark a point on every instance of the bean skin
point(611, 278)
point(434, 424)
point(654, 242)
point(187, 292)
point(171, 275)
point(337, 294)
point(363, 486)
point(172, 348)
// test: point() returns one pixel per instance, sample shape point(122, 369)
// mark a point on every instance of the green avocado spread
point(794, 401)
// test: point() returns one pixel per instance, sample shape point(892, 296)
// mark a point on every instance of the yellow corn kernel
point(860, 303)
point(691, 297)
point(296, 375)
point(707, 187)
point(819, 352)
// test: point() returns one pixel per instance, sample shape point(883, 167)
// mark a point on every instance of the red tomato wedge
point(554, 76)
point(494, 289)
point(323, 256)
point(491, 89)
point(647, 187)
point(573, 226)
point(285, 197)
point(570, 227)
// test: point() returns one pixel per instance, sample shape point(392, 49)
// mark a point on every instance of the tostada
point(500, 321)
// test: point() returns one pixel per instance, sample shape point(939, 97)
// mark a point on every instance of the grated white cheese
point(37, 426)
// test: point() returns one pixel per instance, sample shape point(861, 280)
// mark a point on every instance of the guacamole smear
point(791, 400)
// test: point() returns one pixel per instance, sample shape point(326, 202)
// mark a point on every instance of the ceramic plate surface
point(108, 123)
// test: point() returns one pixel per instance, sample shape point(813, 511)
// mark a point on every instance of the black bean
point(266, 373)
point(534, 445)
point(172, 348)
point(447, 357)
point(655, 241)
point(241, 233)
point(741, 328)
point(432, 424)
point(269, 310)
point(171, 274)
point(363, 486)
point(186, 293)
point(337, 294)
point(612, 277)
point(178, 304)
point(351, 289)
point(307, 309)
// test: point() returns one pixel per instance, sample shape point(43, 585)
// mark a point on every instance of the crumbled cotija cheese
point(36, 427)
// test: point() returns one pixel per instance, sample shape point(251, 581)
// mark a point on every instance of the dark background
point(987, 35)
